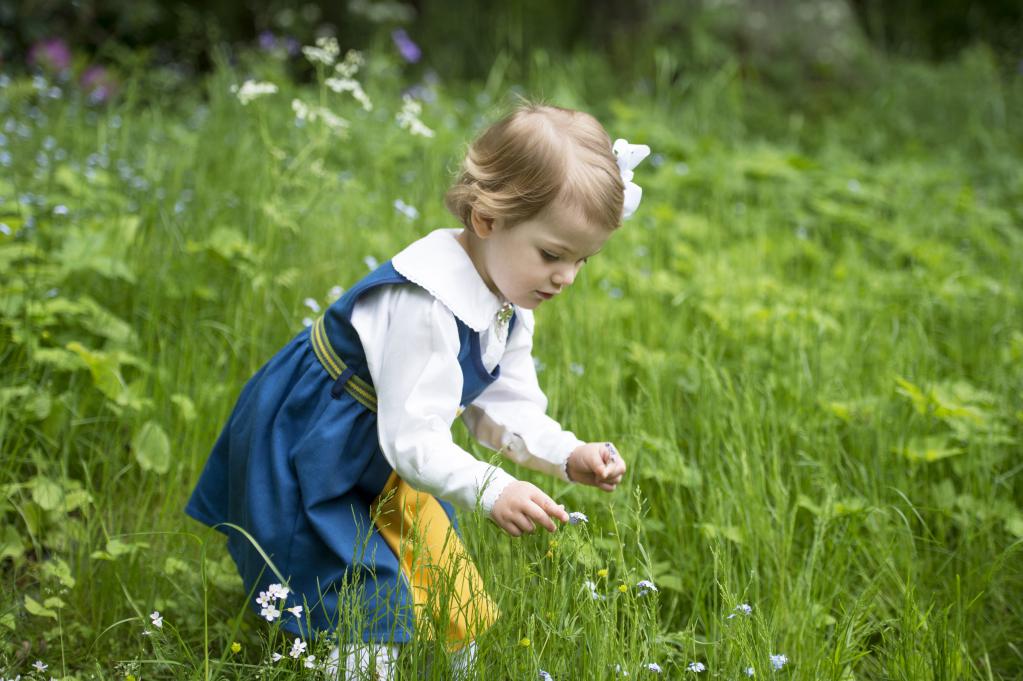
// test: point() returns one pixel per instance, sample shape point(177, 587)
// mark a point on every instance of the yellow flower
point(550, 554)
point(552, 544)
point(623, 587)
point(602, 572)
point(129, 677)
point(525, 642)
point(236, 647)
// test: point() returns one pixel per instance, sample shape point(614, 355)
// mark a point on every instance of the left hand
point(597, 464)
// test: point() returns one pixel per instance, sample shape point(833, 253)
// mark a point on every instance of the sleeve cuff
point(496, 482)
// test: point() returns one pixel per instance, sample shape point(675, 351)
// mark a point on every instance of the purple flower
point(292, 46)
point(267, 41)
point(409, 51)
point(52, 54)
point(98, 84)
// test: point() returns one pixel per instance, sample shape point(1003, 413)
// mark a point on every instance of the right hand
point(522, 504)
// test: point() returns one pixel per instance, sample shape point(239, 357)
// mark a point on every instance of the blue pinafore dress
point(299, 468)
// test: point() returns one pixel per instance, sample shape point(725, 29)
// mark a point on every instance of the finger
point(549, 506)
point(524, 524)
point(539, 514)
point(555, 510)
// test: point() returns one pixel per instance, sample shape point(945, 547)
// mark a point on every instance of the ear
point(482, 226)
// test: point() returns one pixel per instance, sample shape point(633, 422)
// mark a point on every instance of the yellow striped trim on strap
point(450, 602)
point(335, 366)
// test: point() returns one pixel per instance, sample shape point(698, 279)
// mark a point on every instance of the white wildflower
point(371, 262)
point(332, 120)
point(276, 657)
point(749, 671)
point(307, 321)
point(157, 619)
point(60, 209)
point(311, 304)
point(270, 612)
point(297, 648)
point(544, 676)
point(335, 292)
point(39, 666)
point(593, 590)
point(325, 52)
point(696, 667)
point(350, 66)
point(405, 209)
point(5, 229)
point(306, 113)
point(408, 117)
point(296, 610)
point(251, 89)
point(576, 517)
point(301, 109)
point(342, 85)
point(778, 661)
point(310, 662)
point(264, 599)
point(620, 670)
point(654, 667)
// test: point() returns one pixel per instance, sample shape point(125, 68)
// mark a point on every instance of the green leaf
point(1014, 525)
point(7, 621)
point(59, 570)
point(152, 448)
point(75, 499)
point(185, 406)
point(928, 450)
point(47, 493)
point(11, 544)
point(105, 370)
point(35, 608)
point(55, 602)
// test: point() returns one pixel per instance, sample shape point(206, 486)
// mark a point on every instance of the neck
point(473, 246)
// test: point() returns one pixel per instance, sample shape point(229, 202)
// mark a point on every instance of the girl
point(338, 459)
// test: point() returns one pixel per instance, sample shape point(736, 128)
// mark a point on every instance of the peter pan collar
point(439, 264)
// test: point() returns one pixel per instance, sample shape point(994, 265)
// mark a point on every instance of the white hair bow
point(629, 156)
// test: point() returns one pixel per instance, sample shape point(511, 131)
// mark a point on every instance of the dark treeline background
point(463, 39)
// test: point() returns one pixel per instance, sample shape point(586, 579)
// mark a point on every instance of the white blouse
point(411, 342)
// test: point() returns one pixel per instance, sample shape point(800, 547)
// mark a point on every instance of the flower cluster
point(269, 600)
point(325, 51)
point(345, 81)
point(576, 517)
point(306, 113)
point(743, 608)
point(251, 89)
point(408, 117)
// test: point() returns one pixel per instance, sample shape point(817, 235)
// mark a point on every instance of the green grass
point(808, 346)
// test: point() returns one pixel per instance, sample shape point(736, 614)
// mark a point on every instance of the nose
point(564, 276)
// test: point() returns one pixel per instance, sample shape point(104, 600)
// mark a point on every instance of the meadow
point(807, 345)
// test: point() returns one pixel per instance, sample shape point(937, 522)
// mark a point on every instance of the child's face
point(534, 260)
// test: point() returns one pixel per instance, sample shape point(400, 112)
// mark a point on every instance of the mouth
point(544, 295)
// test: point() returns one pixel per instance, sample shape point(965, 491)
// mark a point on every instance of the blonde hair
point(538, 153)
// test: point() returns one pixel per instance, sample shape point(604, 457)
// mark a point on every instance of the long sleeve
point(510, 415)
point(411, 344)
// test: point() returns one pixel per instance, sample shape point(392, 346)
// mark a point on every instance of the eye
point(548, 256)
